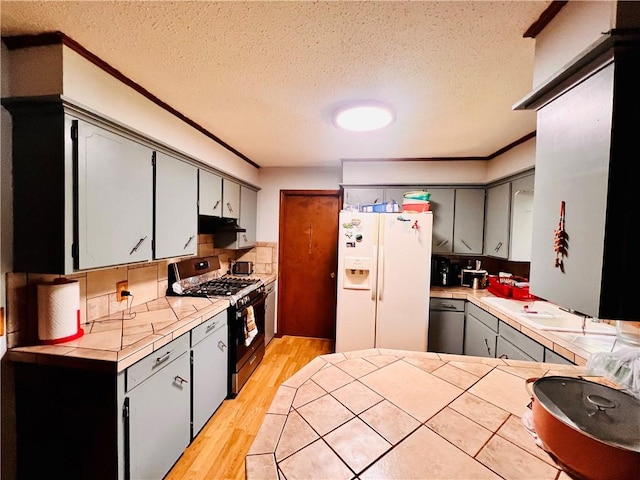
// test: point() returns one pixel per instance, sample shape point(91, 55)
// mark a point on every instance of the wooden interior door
point(308, 259)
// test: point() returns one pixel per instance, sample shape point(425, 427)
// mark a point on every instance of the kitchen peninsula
point(381, 413)
point(458, 391)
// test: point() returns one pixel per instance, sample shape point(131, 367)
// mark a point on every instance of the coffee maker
point(441, 272)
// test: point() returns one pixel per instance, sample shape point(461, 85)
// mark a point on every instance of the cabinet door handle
point(253, 359)
point(211, 327)
point(498, 247)
point(443, 242)
point(222, 345)
point(135, 249)
point(449, 306)
point(164, 357)
point(465, 244)
point(229, 207)
point(188, 242)
point(244, 237)
point(180, 380)
point(504, 356)
point(215, 206)
point(486, 342)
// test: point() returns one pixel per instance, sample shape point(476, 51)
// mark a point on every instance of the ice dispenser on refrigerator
point(357, 273)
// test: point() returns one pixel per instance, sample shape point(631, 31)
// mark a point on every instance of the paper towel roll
point(59, 311)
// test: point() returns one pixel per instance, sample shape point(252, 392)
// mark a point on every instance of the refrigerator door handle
point(374, 283)
point(381, 272)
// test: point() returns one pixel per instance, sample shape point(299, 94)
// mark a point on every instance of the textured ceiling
point(265, 76)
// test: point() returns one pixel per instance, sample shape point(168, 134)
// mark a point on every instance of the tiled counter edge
point(115, 359)
point(560, 346)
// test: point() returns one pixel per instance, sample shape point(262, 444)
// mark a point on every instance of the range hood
point(209, 224)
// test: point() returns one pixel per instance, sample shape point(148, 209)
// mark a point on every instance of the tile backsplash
point(146, 282)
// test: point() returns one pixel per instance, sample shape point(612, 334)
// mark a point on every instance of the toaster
point(242, 268)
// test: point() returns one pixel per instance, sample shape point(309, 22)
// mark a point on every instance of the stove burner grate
point(221, 287)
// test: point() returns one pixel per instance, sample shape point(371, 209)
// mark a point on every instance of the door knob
point(332, 274)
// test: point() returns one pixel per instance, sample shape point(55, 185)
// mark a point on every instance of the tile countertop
point(116, 342)
point(382, 413)
point(572, 346)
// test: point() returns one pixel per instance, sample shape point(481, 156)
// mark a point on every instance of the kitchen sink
point(547, 316)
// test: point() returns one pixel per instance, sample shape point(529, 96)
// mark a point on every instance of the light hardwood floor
point(219, 450)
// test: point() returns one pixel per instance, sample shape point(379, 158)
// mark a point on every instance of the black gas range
point(200, 277)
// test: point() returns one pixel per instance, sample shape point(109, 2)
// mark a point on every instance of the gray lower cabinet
point(516, 345)
point(158, 411)
point(134, 424)
point(446, 326)
point(209, 361)
point(176, 207)
point(270, 312)
point(484, 335)
point(507, 350)
point(552, 357)
point(480, 332)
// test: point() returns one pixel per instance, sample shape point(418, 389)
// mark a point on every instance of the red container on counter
point(522, 293)
point(509, 291)
point(499, 289)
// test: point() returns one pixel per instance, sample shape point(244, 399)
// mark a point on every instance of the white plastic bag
point(621, 367)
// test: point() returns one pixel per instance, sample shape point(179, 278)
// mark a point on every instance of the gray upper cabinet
point(442, 205)
point(248, 217)
point(497, 220)
point(396, 194)
point(468, 224)
point(363, 196)
point(458, 214)
point(115, 198)
point(587, 157)
point(247, 220)
point(209, 194)
point(176, 211)
point(230, 198)
point(576, 171)
point(521, 219)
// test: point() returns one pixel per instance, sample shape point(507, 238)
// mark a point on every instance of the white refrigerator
point(384, 276)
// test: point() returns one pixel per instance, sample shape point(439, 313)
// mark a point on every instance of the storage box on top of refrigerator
point(384, 276)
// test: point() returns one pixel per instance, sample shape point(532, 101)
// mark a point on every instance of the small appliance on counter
point(440, 268)
point(444, 272)
point(241, 268)
point(475, 279)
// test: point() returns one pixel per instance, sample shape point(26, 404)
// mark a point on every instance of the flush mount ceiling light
point(363, 116)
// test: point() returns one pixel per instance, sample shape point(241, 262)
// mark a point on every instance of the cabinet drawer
point(485, 317)
point(446, 304)
point(140, 371)
point(522, 342)
point(207, 327)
